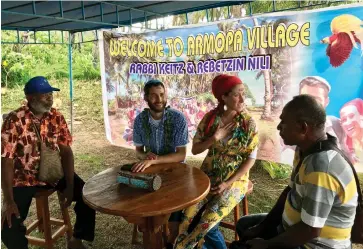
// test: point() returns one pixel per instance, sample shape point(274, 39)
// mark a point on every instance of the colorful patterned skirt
point(216, 207)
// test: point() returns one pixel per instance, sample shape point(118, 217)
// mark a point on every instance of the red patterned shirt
point(19, 141)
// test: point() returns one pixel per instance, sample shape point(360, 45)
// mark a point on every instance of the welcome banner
point(277, 56)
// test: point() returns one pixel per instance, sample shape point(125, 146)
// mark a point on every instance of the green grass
point(93, 163)
point(11, 99)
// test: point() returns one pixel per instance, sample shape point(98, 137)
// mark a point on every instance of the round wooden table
point(182, 186)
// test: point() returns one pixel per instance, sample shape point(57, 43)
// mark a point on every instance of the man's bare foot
point(75, 243)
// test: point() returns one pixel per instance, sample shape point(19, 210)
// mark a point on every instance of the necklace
point(168, 129)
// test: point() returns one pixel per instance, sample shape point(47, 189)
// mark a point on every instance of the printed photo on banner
point(277, 56)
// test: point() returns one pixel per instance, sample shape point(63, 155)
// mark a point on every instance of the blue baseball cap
point(38, 84)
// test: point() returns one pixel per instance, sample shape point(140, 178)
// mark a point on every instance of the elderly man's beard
point(39, 106)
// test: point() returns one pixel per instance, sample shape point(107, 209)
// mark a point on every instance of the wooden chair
point(44, 221)
point(236, 214)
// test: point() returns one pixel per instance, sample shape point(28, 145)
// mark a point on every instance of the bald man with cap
point(20, 159)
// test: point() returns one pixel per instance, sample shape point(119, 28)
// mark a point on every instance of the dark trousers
point(252, 220)
point(14, 237)
point(249, 221)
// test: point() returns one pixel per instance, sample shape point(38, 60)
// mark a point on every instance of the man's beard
point(40, 107)
point(157, 109)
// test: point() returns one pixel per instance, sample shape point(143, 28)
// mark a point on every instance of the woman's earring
point(225, 107)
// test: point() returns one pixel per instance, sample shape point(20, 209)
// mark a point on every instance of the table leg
point(153, 240)
point(151, 227)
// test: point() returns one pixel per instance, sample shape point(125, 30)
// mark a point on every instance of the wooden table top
point(182, 186)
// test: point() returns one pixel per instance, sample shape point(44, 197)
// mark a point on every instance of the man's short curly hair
point(306, 109)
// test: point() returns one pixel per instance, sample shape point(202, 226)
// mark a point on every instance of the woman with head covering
point(229, 134)
point(351, 118)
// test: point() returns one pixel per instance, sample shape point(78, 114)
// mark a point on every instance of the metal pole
point(61, 8)
point(273, 6)
point(186, 15)
point(34, 8)
point(70, 77)
point(206, 11)
point(101, 10)
point(83, 15)
point(117, 17)
point(130, 17)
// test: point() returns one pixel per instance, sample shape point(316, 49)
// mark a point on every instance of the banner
point(277, 56)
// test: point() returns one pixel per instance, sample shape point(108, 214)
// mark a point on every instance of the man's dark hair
point(306, 109)
point(150, 84)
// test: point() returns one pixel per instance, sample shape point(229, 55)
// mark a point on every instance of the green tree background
point(22, 61)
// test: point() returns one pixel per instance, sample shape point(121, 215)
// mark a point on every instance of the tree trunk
point(128, 84)
point(79, 42)
point(117, 79)
point(266, 115)
point(95, 53)
point(6, 80)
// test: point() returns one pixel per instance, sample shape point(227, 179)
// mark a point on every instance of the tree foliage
point(23, 61)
